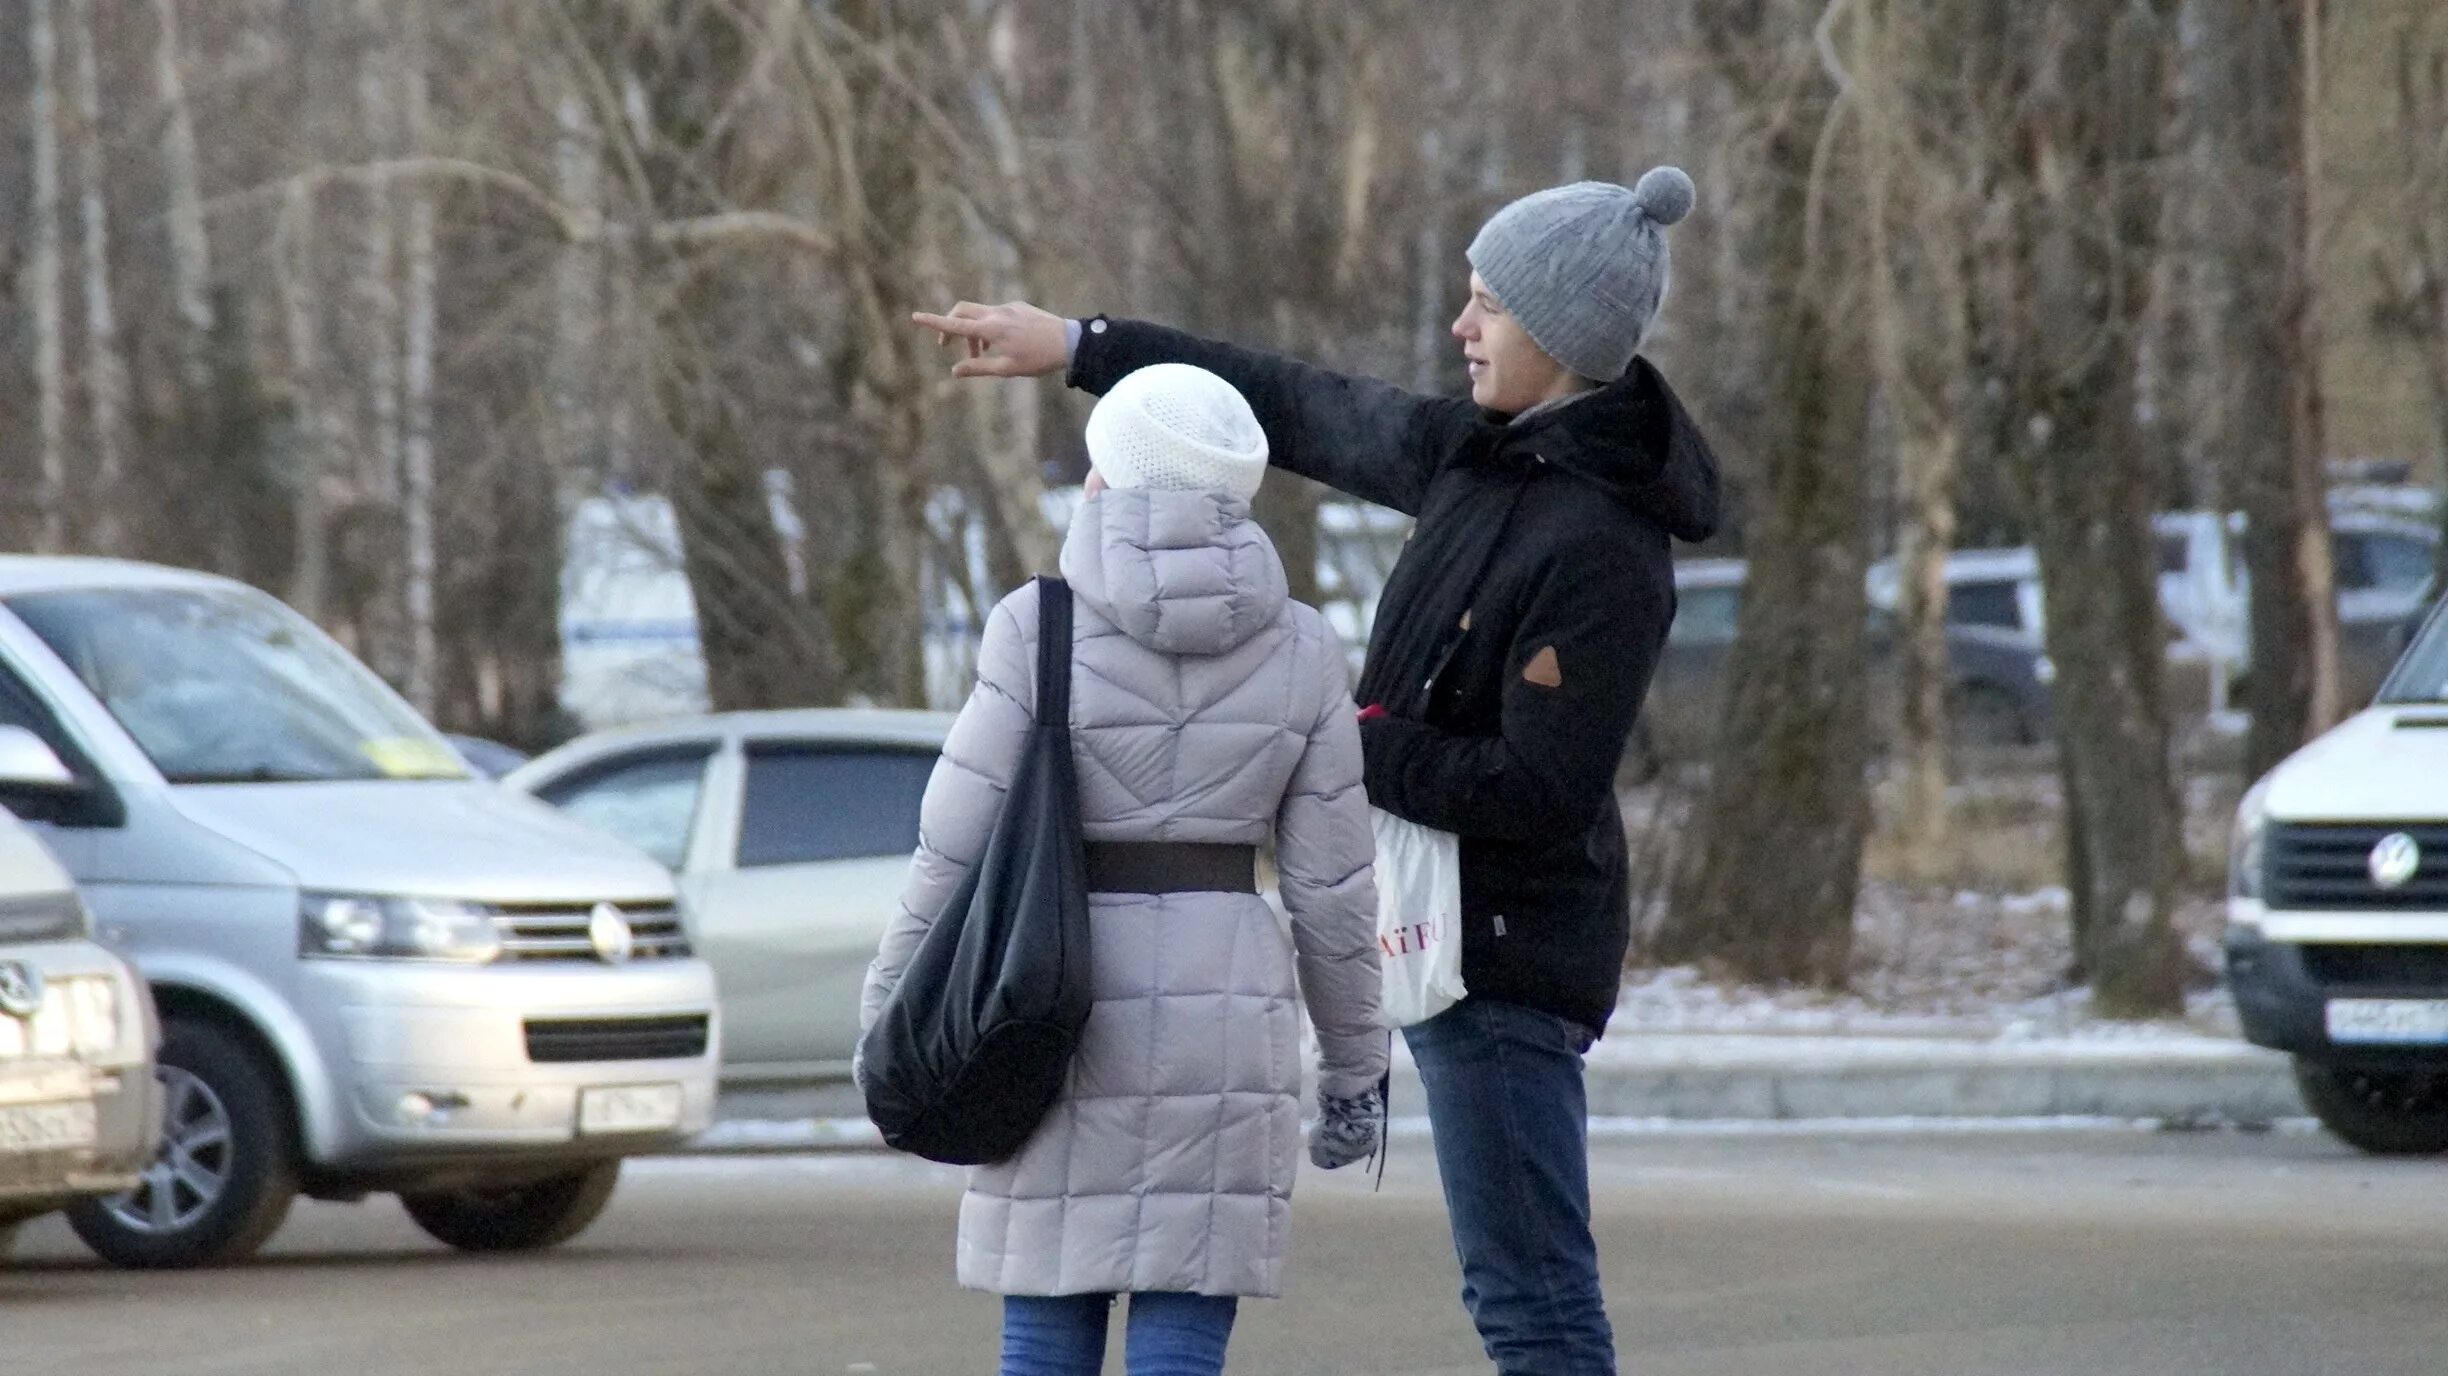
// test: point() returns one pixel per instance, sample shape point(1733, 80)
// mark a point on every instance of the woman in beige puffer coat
point(1210, 715)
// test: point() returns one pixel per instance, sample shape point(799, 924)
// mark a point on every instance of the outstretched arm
point(1367, 438)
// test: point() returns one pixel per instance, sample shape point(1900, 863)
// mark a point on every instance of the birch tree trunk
point(293, 263)
point(43, 304)
point(375, 495)
point(106, 374)
point(578, 299)
point(417, 447)
point(190, 246)
point(1921, 347)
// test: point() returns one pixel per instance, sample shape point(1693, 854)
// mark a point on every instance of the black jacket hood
point(1633, 439)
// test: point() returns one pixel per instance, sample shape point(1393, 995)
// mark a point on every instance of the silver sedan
point(791, 835)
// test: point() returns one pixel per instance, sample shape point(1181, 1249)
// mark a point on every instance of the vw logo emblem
point(608, 932)
point(2395, 860)
point(21, 989)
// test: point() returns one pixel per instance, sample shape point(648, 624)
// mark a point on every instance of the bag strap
point(1053, 703)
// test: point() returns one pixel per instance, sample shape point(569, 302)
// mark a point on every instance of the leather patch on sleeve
point(1544, 669)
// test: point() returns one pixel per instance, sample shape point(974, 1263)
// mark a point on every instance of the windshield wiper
point(259, 774)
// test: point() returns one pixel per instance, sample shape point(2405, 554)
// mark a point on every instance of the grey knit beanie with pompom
point(1583, 267)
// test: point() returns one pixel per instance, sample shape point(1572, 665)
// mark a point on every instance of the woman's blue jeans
point(1064, 1335)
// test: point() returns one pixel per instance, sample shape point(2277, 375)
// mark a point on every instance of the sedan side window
point(1996, 603)
point(1705, 616)
point(648, 799)
point(807, 803)
point(2350, 554)
point(2399, 563)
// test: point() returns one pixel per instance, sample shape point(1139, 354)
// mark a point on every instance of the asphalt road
point(1955, 1255)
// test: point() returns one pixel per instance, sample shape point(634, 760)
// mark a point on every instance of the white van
point(2337, 939)
point(374, 971)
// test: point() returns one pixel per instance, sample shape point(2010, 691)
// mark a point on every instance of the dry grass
point(1980, 925)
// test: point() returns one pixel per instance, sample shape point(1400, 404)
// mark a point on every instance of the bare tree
point(2259, 132)
point(1918, 225)
point(43, 303)
point(2410, 266)
point(2087, 86)
point(417, 439)
point(294, 261)
point(1769, 887)
point(190, 245)
point(106, 372)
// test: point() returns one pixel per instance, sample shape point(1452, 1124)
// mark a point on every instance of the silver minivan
point(375, 973)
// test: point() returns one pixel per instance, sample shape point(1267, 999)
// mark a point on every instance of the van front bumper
point(446, 1062)
point(2282, 995)
point(127, 1121)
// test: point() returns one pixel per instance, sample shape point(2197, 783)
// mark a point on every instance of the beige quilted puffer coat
point(1208, 707)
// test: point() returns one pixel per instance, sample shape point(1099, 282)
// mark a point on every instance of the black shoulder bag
point(973, 1047)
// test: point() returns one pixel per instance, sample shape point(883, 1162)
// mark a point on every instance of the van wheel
point(2384, 1112)
point(225, 1171)
point(516, 1218)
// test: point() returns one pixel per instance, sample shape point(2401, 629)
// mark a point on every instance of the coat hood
point(1183, 573)
point(1633, 439)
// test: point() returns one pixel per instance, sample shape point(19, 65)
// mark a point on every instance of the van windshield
point(2421, 675)
point(232, 687)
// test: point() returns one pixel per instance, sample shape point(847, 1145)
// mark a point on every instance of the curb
point(1723, 1083)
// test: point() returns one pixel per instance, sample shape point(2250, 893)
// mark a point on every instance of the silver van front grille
point(561, 931)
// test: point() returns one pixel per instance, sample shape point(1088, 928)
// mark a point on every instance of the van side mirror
point(27, 762)
point(38, 786)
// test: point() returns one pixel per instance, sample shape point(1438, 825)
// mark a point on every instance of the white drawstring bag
point(1419, 919)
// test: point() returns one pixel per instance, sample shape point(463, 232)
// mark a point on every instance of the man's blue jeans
point(1064, 1335)
point(1511, 1119)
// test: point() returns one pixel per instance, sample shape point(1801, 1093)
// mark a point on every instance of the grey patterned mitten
point(1347, 1130)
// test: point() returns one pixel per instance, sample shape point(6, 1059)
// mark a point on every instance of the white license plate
point(629, 1108)
point(46, 1127)
point(2401, 1022)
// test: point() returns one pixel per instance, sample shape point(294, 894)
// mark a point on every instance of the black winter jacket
point(1515, 639)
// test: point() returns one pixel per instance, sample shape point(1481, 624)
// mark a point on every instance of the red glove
point(1372, 712)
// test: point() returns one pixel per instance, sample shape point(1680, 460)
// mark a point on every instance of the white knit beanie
point(1177, 428)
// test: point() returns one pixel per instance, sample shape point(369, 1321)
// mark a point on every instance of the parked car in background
point(2386, 567)
point(1997, 643)
point(492, 759)
point(2337, 938)
point(79, 1109)
point(1998, 670)
point(374, 972)
point(791, 833)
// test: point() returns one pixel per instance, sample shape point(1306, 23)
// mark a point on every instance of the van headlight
point(2247, 847)
point(358, 926)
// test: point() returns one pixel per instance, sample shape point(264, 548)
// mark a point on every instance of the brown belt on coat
point(1171, 867)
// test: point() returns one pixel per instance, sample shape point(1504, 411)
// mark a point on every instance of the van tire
point(517, 1218)
point(257, 1165)
point(2384, 1112)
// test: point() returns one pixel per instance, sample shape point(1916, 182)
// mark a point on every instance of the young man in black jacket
point(1513, 645)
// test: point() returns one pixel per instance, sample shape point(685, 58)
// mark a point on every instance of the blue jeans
point(1511, 1119)
point(1064, 1335)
